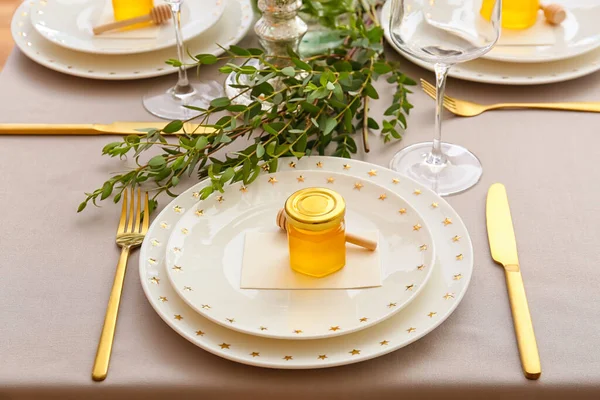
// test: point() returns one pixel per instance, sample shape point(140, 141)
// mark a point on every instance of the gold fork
point(129, 236)
point(465, 108)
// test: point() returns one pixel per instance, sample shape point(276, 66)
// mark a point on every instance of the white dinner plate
point(231, 29)
point(69, 23)
point(204, 258)
point(576, 35)
point(504, 73)
point(440, 297)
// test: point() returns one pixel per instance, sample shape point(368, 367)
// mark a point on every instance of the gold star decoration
point(224, 345)
point(199, 333)
point(459, 257)
point(199, 213)
point(152, 261)
point(346, 166)
point(395, 181)
point(358, 186)
point(322, 356)
point(363, 319)
point(448, 296)
point(382, 196)
point(384, 342)
point(177, 268)
point(255, 354)
point(334, 328)
point(391, 305)
point(164, 225)
point(272, 180)
point(410, 287)
point(263, 328)
point(230, 320)
point(423, 247)
point(434, 205)
point(417, 192)
point(220, 199)
point(155, 280)
point(298, 331)
point(447, 221)
point(187, 288)
point(457, 277)
point(243, 189)
point(288, 358)
point(292, 164)
point(432, 314)
point(456, 238)
point(421, 267)
point(205, 306)
point(178, 317)
point(417, 227)
point(196, 195)
point(330, 180)
point(319, 164)
point(300, 178)
point(185, 231)
point(372, 172)
point(177, 209)
point(176, 250)
point(411, 329)
point(402, 211)
point(354, 352)
point(265, 167)
point(162, 299)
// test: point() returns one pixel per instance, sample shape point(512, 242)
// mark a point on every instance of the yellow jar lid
point(315, 209)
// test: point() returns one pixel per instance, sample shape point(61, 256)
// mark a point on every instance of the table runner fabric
point(57, 267)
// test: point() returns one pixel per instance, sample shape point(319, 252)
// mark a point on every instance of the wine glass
point(170, 103)
point(443, 33)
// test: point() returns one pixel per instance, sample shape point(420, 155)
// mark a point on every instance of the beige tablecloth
point(56, 267)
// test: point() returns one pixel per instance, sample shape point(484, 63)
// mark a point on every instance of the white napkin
point(540, 34)
point(107, 17)
point(265, 265)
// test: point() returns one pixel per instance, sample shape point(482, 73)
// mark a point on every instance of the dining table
point(57, 265)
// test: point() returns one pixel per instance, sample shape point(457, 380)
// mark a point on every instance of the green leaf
point(260, 150)
point(173, 126)
point(206, 59)
point(220, 102)
point(205, 192)
point(306, 106)
point(238, 51)
point(289, 71)
point(253, 176)
point(371, 92)
point(371, 123)
point(329, 125)
point(174, 180)
point(157, 162)
point(301, 64)
point(201, 143)
point(330, 86)
point(107, 189)
point(227, 175)
point(382, 68)
point(82, 207)
point(237, 108)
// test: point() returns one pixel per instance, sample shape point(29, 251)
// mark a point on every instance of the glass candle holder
point(316, 231)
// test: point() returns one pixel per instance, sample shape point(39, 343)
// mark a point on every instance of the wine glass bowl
point(443, 33)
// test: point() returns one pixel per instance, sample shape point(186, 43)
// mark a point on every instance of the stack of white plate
point(575, 51)
point(191, 260)
point(58, 34)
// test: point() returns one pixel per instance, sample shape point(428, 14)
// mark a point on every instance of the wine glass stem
point(436, 156)
point(183, 87)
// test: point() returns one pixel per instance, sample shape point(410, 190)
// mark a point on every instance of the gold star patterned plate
point(204, 258)
point(438, 299)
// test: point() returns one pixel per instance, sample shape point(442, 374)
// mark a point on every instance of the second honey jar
point(316, 231)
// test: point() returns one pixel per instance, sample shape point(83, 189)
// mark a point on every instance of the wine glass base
point(461, 171)
point(165, 104)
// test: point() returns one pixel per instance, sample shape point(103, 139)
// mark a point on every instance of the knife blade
point(116, 128)
point(503, 247)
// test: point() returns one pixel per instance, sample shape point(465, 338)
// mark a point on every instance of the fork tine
point(130, 222)
point(146, 220)
point(138, 213)
point(424, 83)
point(429, 93)
point(121, 228)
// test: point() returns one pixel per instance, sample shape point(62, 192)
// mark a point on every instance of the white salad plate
point(69, 23)
point(231, 29)
point(576, 35)
point(509, 73)
point(441, 295)
point(205, 251)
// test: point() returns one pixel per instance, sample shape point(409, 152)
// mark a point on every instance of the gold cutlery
point(116, 128)
point(465, 108)
point(129, 236)
point(503, 247)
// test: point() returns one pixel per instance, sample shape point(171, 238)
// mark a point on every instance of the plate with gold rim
point(444, 291)
point(204, 258)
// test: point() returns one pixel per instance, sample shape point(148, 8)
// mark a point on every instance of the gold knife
point(116, 128)
point(503, 246)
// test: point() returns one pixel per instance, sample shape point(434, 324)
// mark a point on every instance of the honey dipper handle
point(361, 241)
point(121, 24)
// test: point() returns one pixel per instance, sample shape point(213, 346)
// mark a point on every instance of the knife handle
point(48, 129)
point(530, 358)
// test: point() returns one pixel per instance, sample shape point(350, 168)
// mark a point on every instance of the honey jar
point(516, 14)
point(316, 231)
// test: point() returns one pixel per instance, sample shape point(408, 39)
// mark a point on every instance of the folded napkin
point(266, 265)
point(107, 17)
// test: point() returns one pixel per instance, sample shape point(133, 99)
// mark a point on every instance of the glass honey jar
point(316, 231)
point(516, 14)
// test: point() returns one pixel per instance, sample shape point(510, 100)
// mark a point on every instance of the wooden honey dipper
point(350, 238)
point(554, 13)
point(159, 15)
